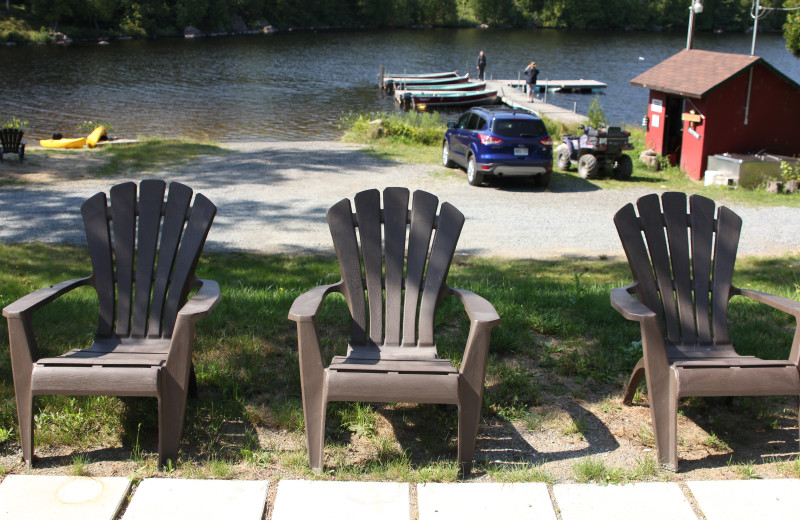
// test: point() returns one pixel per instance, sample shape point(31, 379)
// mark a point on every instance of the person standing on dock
point(531, 73)
point(481, 65)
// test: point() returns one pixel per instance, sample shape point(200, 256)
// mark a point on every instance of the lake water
point(296, 85)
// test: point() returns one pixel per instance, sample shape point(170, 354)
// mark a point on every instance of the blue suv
point(499, 141)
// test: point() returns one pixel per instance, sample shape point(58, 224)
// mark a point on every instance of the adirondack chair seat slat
point(437, 366)
point(738, 362)
point(394, 263)
point(681, 252)
point(145, 330)
point(91, 359)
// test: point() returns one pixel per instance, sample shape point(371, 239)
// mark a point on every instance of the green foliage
point(596, 115)
point(790, 171)
point(88, 18)
point(89, 126)
point(791, 29)
point(14, 123)
point(358, 418)
point(405, 127)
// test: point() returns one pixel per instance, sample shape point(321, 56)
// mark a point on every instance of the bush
point(405, 127)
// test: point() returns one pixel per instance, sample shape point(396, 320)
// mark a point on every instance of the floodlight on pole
point(695, 8)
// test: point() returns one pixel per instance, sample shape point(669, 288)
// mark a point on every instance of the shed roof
point(694, 73)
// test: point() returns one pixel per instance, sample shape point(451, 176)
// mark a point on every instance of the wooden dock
point(580, 86)
point(509, 94)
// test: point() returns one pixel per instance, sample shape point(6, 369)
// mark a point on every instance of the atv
point(596, 150)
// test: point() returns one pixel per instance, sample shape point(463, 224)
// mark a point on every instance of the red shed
point(704, 103)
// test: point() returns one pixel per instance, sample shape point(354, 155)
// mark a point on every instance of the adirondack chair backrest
point(10, 139)
point(683, 262)
point(395, 243)
point(144, 254)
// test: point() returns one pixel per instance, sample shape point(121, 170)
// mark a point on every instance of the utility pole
point(755, 15)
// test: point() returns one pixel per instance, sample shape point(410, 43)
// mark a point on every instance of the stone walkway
point(85, 498)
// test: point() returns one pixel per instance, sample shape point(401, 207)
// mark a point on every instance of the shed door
point(673, 129)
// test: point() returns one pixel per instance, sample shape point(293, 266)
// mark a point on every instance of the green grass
point(557, 326)
point(149, 155)
point(154, 154)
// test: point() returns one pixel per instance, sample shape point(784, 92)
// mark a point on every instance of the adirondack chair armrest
point(305, 307)
point(483, 318)
point(629, 307)
point(776, 302)
point(37, 299)
point(479, 310)
point(203, 302)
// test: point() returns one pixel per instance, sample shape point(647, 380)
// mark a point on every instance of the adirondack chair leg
point(469, 413)
point(314, 390)
point(21, 336)
point(314, 408)
point(633, 383)
point(25, 417)
point(664, 416)
point(171, 410)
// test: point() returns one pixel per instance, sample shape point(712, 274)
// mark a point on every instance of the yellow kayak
point(95, 136)
point(76, 142)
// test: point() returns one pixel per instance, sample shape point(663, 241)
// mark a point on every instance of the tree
point(791, 29)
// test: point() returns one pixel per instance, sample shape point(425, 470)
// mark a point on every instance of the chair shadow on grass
point(427, 434)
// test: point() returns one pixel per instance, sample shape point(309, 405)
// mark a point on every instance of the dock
point(577, 86)
point(512, 95)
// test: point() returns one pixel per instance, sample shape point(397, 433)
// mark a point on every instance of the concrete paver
point(85, 498)
point(62, 497)
point(520, 501)
point(333, 500)
point(175, 499)
point(651, 500)
point(747, 499)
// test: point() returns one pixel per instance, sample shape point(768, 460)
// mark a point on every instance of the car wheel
point(446, 162)
point(624, 168)
point(587, 166)
point(474, 177)
point(542, 180)
point(562, 158)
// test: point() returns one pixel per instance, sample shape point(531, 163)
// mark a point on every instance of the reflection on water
point(293, 86)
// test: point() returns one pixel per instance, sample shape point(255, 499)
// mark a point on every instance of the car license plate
point(521, 151)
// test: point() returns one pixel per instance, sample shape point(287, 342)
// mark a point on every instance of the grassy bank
point(416, 137)
point(559, 339)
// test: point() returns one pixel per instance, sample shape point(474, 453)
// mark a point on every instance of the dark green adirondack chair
point(11, 142)
point(682, 261)
point(392, 298)
point(144, 252)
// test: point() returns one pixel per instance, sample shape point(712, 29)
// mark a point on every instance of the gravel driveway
point(272, 198)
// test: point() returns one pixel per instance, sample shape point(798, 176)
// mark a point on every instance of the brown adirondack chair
point(11, 142)
point(144, 253)
point(682, 263)
point(391, 356)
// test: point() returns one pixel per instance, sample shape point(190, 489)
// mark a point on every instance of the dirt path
point(272, 198)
